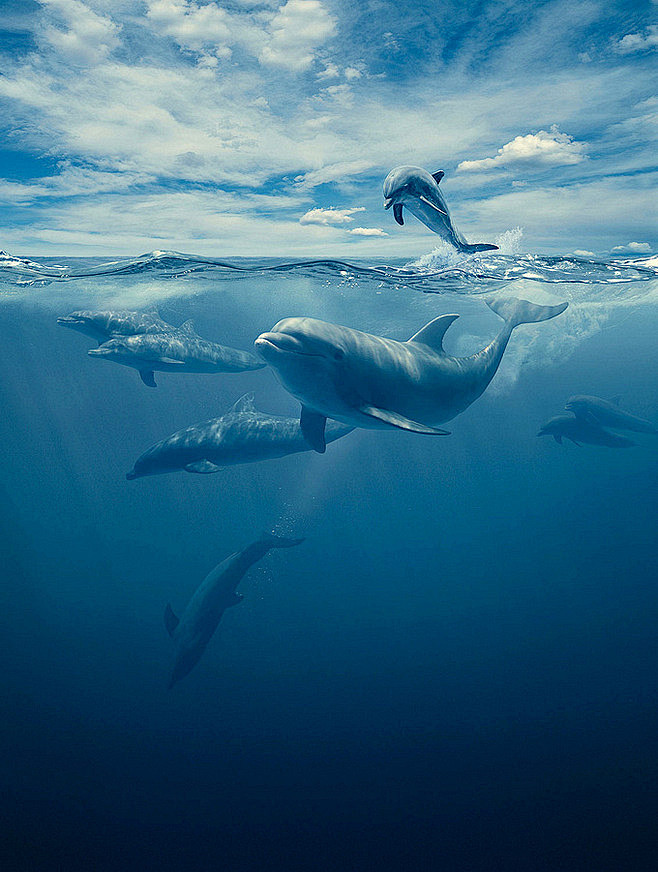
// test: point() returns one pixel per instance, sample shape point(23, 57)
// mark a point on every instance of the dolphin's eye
point(338, 354)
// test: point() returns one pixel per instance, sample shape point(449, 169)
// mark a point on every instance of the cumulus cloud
point(367, 231)
point(79, 34)
point(634, 247)
point(544, 148)
point(582, 253)
point(633, 42)
point(296, 31)
point(330, 217)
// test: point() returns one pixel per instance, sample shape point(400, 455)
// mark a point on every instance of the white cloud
point(543, 148)
point(367, 231)
point(79, 34)
point(633, 42)
point(331, 216)
point(582, 253)
point(634, 247)
point(296, 31)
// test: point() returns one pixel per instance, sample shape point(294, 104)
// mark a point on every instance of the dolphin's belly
point(421, 385)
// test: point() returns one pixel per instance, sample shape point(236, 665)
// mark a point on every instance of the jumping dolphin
point(419, 191)
point(102, 326)
point(608, 413)
point(217, 592)
point(580, 431)
point(242, 435)
point(373, 382)
point(174, 352)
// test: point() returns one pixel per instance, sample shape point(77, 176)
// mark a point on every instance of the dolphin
point(102, 326)
point(375, 382)
point(608, 413)
point(581, 431)
point(174, 352)
point(217, 592)
point(416, 189)
point(242, 435)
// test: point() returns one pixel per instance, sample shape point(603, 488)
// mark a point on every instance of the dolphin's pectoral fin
point(397, 213)
point(433, 205)
point(170, 361)
point(203, 467)
point(557, 438)
point(235, 602)
point(313, 424)
point(170, 619)
point(432, 334)
point(148, 378)
point(438, 176)
point(396, 420)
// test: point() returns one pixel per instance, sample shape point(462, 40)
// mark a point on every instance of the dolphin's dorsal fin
point(397, 213)
point(312, 425)
point(433, 205)
point(188, 328)
point(438, 176)
point(170, 619)
point(432, 334)
point(397, 420)
point(244, 404)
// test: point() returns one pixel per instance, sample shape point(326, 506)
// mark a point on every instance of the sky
point(266, 127)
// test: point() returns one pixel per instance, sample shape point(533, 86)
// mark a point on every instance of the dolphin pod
point(242, 435)
point(582, 432)
point(216, 593)
point(418, 191)
point(375, 382)
point(607, 413)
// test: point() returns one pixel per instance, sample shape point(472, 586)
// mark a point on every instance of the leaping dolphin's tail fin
point(273, 541)
point(515, 311)
point(472, 247)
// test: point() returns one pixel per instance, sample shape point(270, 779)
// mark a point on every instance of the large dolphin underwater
point(418, 191)
point(174, 352)
point(216, 593)
point(105, 325)
point(580, 431)
point(608, 413)
point(242, 435)
point(374, 382)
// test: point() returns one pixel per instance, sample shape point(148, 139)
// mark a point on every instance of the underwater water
point(455, 671)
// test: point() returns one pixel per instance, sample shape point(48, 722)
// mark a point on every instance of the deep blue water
point(456, 670)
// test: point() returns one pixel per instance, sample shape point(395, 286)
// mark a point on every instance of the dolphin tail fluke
point(472, 247)
point(515, 311)
point(273, 541)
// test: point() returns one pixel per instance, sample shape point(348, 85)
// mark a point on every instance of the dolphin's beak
point(542, 433)
point(68, 321)
point(269, 342)
point(99, 352)
point(131, 475)
point(388, 203)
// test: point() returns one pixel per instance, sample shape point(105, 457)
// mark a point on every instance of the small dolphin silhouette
point(580, 431)
point(607, 413)
point(217, 592)
point(419, 191)
point(105, 325)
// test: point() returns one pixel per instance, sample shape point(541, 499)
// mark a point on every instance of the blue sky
point(266, 127)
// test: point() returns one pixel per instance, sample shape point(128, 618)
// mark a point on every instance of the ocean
point(455, 671)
